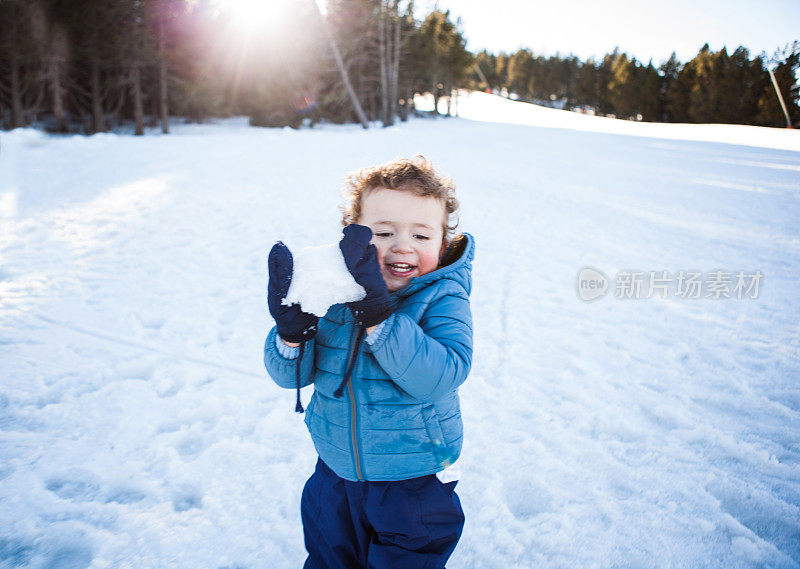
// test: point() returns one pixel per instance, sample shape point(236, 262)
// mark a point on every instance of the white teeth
point(403, 266)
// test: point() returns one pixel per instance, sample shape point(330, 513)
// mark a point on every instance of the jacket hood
point(460, 271)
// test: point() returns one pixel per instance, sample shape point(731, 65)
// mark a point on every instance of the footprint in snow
point(190, 446)
point(525, 498)
point(136, 369)
point(186, 497)
point(124, 495)
point(75, 485)
point(84, 486)
point(153, 321)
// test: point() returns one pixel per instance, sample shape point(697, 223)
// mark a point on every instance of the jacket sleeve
point(282, 370)
point(429, 359)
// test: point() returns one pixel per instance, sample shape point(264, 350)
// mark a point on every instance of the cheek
point(428, 260)
point(381, 251)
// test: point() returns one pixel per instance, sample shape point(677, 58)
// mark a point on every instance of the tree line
point(92, 65)
point(713, 87)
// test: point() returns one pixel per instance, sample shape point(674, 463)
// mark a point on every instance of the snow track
point(138, 427)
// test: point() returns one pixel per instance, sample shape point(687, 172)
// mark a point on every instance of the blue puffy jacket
point(399, 415)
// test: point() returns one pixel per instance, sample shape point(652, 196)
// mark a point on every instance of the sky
point(644, 29)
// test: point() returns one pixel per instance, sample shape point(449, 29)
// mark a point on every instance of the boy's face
point(407, 231)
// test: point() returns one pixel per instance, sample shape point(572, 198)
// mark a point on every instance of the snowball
point(321, 279)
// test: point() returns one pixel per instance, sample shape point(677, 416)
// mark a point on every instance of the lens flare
point(304, 103)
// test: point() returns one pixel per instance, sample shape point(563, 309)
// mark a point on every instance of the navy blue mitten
point(361, 259)
point(293, 324)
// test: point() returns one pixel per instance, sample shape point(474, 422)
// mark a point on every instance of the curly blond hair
point(416, 175)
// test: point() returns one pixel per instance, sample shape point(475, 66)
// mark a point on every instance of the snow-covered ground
point(138, 428)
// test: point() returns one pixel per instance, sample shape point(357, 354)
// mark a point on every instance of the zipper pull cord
point(359, 336)
point(299, 407)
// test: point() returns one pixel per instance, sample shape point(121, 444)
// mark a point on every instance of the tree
point(740, 81)
point(56, 68)
point(164, 16)
point(520, 73)
point(679, 92)
point(769, 112)
point(586, 87)
point(340, 65)
point(389, 46)
point(570, 67)
point(22, 85)
point(446, 59)
point(648, 91)
point(604, 77)
point(501, 69)
point(669, 71)
point(487, 63)
point(622, 85)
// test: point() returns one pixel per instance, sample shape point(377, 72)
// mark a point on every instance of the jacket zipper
point(353, 411)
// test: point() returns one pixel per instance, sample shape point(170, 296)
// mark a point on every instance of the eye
point(423, 237)
point(383, 234)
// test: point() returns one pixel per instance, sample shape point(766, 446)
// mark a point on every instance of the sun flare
point(255, 16)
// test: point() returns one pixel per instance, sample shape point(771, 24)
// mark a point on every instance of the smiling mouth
point(400, 269)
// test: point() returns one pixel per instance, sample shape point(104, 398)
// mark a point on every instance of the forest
point(89, 66)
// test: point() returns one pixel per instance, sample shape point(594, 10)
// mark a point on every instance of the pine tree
point(501, 70)
point(679, 92)
point(570, 70)
point(621, 85)
point(648, 91)
point(487, 63)
point(447, 60)
point(586, 87)
point(520, 73)
point(769, 111)
point(669, 73)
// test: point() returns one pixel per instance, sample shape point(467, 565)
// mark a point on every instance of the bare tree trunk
point(136, 92)
point(395, 69)
point(342, 71)
point(16, 92)
point(153, 122)
point(449, 98)
point(97, 104)
point(58, 96)
point(56, 65)
point(36, 107)
point(163, 111)
point(389, 56)
point(383, 50)
point(408, 104)
point(116, 108)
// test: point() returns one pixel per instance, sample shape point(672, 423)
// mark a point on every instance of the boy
point(384, 416)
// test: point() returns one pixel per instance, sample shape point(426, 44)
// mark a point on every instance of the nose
point(402, 244)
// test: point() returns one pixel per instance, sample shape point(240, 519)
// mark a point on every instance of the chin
point(393, 283)
point(396, 286)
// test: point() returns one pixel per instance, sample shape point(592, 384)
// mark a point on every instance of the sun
point(256, 16)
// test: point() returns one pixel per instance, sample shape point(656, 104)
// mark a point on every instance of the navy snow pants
point(403, 524)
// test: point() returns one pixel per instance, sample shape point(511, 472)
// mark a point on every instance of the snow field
point(138, 427)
